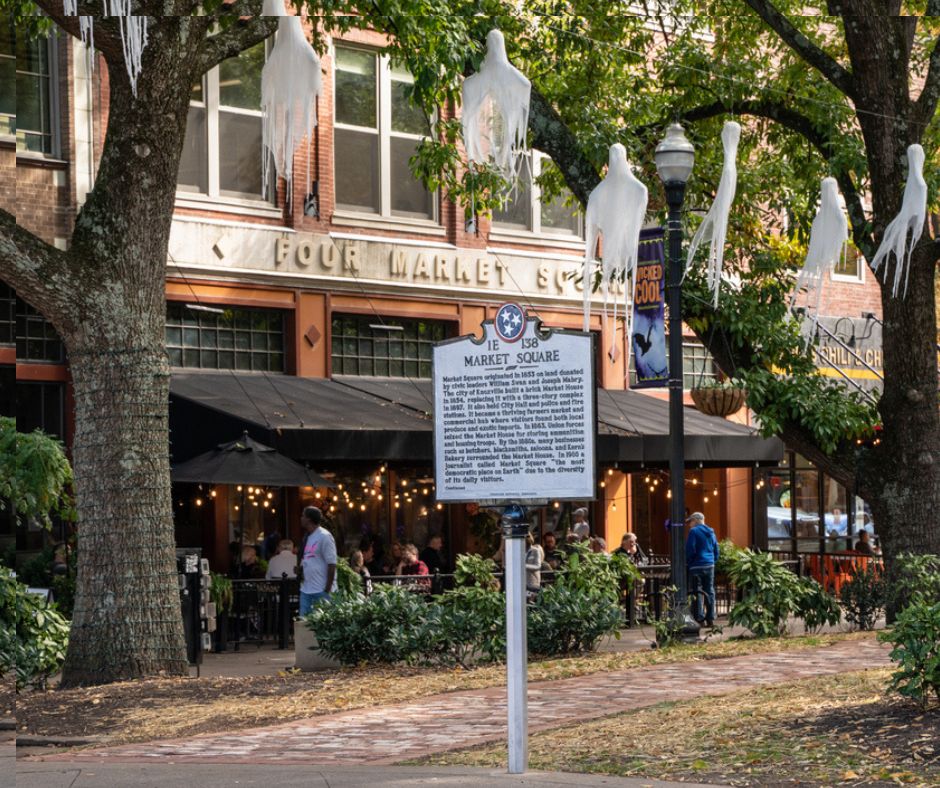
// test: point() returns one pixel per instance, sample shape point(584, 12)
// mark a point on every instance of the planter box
point(306, 654)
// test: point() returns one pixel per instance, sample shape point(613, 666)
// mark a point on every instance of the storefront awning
point(375, 419)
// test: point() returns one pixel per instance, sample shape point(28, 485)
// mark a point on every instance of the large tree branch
point(825, 140)
point(552, 136)
point(926, 103)
point(244, 33)
point(107, 34)
point(37, 271)
point(831, 69)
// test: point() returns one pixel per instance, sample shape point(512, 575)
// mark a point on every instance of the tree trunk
point(127, 619)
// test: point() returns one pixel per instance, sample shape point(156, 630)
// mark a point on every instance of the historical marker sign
point(514, 413)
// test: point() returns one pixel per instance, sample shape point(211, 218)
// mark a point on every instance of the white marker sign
point(514, 413)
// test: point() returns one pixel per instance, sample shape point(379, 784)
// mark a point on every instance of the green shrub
point(348, 580)
point(596, 573)
point(728, 554)
point(863, 597)
point(816, 606)
point(916, 640)
point(33, 635)
point(389, 625)
point(566, 621)
point(471, 569)
point(221, 592)
point(770, 593)
point(470, 626)
point(912, 574)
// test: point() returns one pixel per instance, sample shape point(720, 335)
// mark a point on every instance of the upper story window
point(229, 338)
point(376, 131)
point(384, 347)
point(698, 366)
point(27, 90)
point(850, 266)
point(7, 314)
point(525, 210)
point(222, 151)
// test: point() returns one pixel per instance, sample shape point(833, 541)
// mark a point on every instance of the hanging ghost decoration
point(290, 85)
point(133, 32)
point(827, 241)
point(496, 109)
point(911, 220)
point(714, 228)
point(615, 213)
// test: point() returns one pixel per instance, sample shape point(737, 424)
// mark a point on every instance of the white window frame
point(55, 137)
point(850, 278)
point(360, 216)
point(214, 197)
point(535, 231)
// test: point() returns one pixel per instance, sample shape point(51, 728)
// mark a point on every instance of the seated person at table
point(358, 565)
point(630, 547)
point(553, 555)
point(249, 568)
point(864, 545)
point(284, 563)
point(433, 555)
point(412, 566)
point(393, 564)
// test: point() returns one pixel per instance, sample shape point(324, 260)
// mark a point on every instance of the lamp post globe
point(675, 158)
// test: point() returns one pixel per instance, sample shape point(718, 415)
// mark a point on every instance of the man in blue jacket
point(701, 554)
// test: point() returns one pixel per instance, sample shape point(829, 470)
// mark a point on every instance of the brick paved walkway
point(390, 734)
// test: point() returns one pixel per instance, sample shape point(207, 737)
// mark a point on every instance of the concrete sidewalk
point(65, 775)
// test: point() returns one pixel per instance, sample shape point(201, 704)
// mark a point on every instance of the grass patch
point(821, 731)
point(147, 710)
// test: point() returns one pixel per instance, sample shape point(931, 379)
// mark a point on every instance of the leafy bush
point(33, 635)
point(913, 574)
point(863, 597)
point(728, 554)
point(221, 592)
point(389, 625)
point(770, 593)
point(596, 573)
point(816, 606)
point(348, 580)
point(475, 570)
point(468, 624)
point(916, 640)
point(566, 621)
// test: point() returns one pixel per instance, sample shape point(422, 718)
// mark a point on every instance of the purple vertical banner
point(648, 342)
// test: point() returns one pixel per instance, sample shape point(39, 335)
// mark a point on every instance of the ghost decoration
point(615, 213)
point(496, 109)
point(290, 85)
point(714, 227)
point(133, 32)
point(911, 220)
point(827, 241)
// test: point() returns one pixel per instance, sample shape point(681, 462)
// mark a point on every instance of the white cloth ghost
point(714, 227)
point(496, 109)
point(615, 213)
point(133, 32)
point(827, 242)
point(290, 85)
point(911, 220)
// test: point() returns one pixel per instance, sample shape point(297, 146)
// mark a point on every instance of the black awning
point(309, 419)
point(369, 419)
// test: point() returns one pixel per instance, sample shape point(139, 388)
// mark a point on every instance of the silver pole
point(516, 651)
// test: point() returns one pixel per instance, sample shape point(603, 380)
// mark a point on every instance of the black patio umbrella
point(245, 461)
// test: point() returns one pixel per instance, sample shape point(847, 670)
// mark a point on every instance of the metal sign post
point(515, 528)
point(515, 420)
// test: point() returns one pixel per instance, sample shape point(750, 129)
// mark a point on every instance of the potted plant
point(719, 397)
point(222, 595)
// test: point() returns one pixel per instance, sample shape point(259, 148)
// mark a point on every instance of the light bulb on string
point(715, 492)
point(610, 471)
point(362, 508)
point(239, 488)
point(613, 506)
point(647, 479)
point(236, 507)
point(439, 506)
point(273, 510)
point(340, 486)
point(706, 499)
point(382, 469)
point(270, 496)
point(212, 493)
point(424, 491)
point(316, 495)
point(557, 505)
point(254, 503)
point(199, 502)
point(397, 505)
point(603, 484)
point(669, 493)
point(266, 504)
point(332, 508)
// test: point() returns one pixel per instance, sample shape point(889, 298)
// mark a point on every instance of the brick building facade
point(327, 305)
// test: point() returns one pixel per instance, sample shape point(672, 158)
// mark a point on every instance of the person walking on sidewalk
point(318, 561)
point(701, 555)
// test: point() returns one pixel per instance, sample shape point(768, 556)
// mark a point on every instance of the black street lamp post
point(675, 157)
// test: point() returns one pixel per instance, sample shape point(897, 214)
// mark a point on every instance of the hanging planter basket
point(719, 401)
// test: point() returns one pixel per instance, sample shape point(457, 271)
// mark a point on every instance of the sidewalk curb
point(54, 741)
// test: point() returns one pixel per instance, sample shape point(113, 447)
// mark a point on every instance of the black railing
point(262, 612)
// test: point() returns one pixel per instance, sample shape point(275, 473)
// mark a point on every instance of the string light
point(362, 508)
point(270, 496)
point(439, 506)
point(706, 499)
point(332, 508)
point(603, 484)
point(212, 493)
point(610, 471)
point(273, 510)
point(397, 504)
point(557, 505)
point(239, 488)
point(316, 495)
point(199, 502)
point(236, 507)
